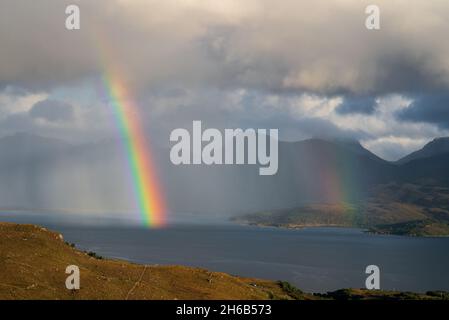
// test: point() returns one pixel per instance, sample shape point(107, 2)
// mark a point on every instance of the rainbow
point(145, 183)
point(146, 186)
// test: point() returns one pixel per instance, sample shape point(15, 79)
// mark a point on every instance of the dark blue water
point(316, 259)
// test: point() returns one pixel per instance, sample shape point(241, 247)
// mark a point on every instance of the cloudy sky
point(309, 68)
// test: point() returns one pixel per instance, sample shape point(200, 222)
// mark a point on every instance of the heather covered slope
point(33, 262)
point(409, 197)
point(403, 209)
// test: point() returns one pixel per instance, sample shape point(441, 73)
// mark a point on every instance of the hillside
point(435, 147)
point(33, 261)
point(403, 209)
point(409, 197)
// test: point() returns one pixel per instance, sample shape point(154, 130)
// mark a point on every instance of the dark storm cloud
point(13, 90)
point(364, 105)
point(315, 46)
point(245, 109)
point(274, 51)
point(428, 108)
point(19, 122)
point(409, 70)
point(52, 110)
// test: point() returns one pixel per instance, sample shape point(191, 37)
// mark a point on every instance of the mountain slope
point(436, 147)
point(309, 171)
point(37, 172)
point(403, 209)
point(33, 262)
point(433, 170)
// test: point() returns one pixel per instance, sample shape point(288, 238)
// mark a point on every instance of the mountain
point(432, 170)
point(358, 189)
point(436, 147)
point(403, 209)
point(42, 173)
point(313, 170)
point(355, 147)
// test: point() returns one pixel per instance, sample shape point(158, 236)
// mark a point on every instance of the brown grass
point(33, 262)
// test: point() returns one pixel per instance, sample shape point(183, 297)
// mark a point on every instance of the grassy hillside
point(363, 294)
point(33, 262)
point(405, 209)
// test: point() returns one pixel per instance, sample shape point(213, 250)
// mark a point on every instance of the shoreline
point(265, 289)
point(368, 230)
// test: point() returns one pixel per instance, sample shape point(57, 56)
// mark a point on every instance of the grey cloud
point(391, 151)
point(428, 108)
point(317, 46)
point(409, 70)
point(364, 105)
point(19, 122)
point(167, 52)
point(13, 90)
point(52, 110)
point(249, 109)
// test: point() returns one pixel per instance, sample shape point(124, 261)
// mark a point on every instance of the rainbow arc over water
point(146, 185)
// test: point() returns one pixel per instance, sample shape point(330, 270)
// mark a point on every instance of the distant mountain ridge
point(407, 198)
point(38, 172)
point(436, 147)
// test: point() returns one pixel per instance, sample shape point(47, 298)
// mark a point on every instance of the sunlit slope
point(403, 209)
point(33, 262)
